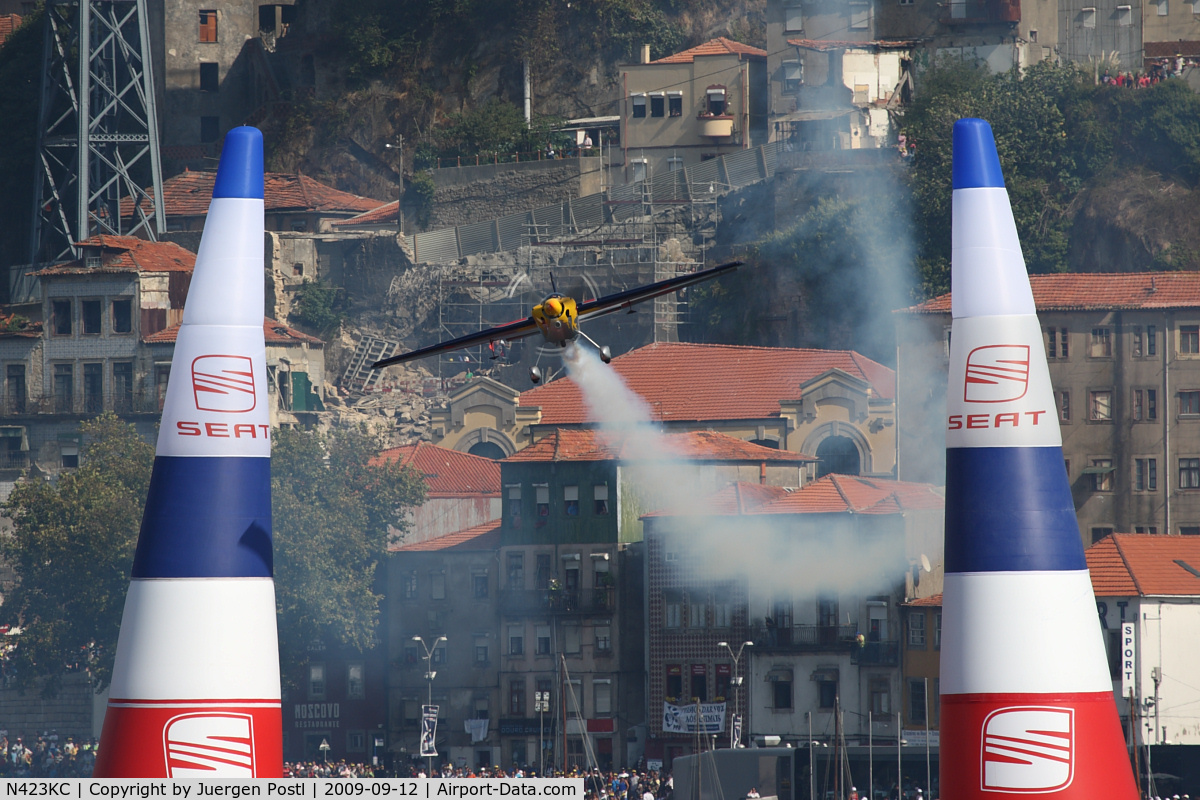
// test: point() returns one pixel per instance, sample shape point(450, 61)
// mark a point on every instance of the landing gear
point(535, 374)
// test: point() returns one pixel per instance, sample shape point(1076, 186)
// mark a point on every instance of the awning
point(1097, 470)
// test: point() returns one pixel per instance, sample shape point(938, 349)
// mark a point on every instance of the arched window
point(838, 455)
point(487, 450)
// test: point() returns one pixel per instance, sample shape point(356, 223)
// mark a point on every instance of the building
point(1124, 357)
point(446, 587)
point(692, 106)
point(922, 642)
point(834, 405)
point(461, 490)
point(812, 570)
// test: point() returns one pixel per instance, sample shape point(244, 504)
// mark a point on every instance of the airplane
point(558, 316)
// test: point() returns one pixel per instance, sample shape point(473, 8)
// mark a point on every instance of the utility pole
point(429, 676)
point(541, 702)
point(735, 728)
point(399, 148)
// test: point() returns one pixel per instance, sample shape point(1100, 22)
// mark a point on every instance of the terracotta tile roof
point(8, 24)
point(189, 193)
point(273, 332)
point(926, 602)
point(14, 327)
point(481, 537)
point(1128, 564)
point(128, 254)
point(829, 44)
point(591, 445)
point(1081, 291)
point(697, 382)
point(378, 216)
point(1171, 49)
point(736, 498)
point(713, 47)
point(447, 473)
point(839, 494)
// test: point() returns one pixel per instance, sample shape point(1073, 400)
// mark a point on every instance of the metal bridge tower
point(97, 128)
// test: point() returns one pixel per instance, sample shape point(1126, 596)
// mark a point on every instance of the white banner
point(429, 716)
point(1128, 659)
point(682, 719)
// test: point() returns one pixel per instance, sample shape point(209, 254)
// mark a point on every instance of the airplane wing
point(513, 330)
point(615, 302)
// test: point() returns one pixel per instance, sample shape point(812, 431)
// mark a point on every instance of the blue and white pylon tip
point(1027, 704)
point(195, 688)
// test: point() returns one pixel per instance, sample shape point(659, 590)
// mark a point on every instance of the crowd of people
point(47, 757)
point(1155, 72)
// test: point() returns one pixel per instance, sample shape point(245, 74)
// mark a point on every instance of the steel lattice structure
point(97, 128)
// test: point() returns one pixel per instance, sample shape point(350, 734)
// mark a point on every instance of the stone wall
point(476, 194)
point(75, 711)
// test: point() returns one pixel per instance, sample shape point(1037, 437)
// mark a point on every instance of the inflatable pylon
point(1027, 704)
point(195, 687)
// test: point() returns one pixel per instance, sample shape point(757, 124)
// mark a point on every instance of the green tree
point(318, 307)
point(72, 548)
point(332, 509)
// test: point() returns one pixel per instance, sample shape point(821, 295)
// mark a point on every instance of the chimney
point(645, 54)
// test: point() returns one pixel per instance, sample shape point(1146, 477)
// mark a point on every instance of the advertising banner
point(682, 719)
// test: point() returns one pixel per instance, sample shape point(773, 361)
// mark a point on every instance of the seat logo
point(997, 373)
point(224, 384)
point(209, 746)
point(1028, 749)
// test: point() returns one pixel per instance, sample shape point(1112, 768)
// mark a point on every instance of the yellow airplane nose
point(554, 307)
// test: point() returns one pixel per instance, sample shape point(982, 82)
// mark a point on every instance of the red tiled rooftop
point(189, 193)
point(128, 254)
point(927, 602)
point(481, 537)
point(8, 24)
point(1132, 564)
point(447, 473)
point(591, 445)
point(713, 47)
point(837, 494)
point(830, 44)
point(736, 498)
point(1081, 291)
point(377, 216)
point(698, 382)
point(273, 332)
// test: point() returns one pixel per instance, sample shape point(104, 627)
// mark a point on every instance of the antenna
point(553, 284)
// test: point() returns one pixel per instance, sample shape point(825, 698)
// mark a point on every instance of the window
point(15, 392)
point(1099, 533)
point(543, 503)
point(1145, 405)
point(93, 388)
point(781, 689)
point(571, 500)
point(209, 76)
point(1100, 406)
point(827, 612)
point(1162, 8)
point(658, 105)
point(122, 386)
point(600, 493)
point(793, 18)
point(516, 640)
point(700, 682)
point(1100, 344)
point(639, 106)
point(916, 700)
point(1136, 340)
point(697, 613)
point(481, 652)
point(827, 690)
point(715, 101)
point(64, 388)
point(675, 104)
point(722, 614)
point(1101, 472)
point(439, 655)
point(916, 630)
point(89, 317)
point(1150, 529)
point(1189, 339)
point(479, 585)
point(1124, 16)
point(69, 453)
point(793, 76)
point(208, 27)
point(860, 16)
point(603, 638)
point(542, 573)
point(674, 163)
point(674, 682)
point(514, 505)
point(356, 685)
point(937, 630)
point(516, 570)
point(1145, 474)
point(724, 681)
point(1189, 530)
point(316, 681)
point(673, 610)
point(879, 697)
point(60, 317)
point(1189, 403)
point(210, 129)
point(545, 686)
point(437, 586)
point(602, 697)
point(1087, 17)
point(409, 586)
point(542, 633)
point(516, 697)
point(572, 639)
point(1189, 473)
point(1064, 406)
point(1151, 340)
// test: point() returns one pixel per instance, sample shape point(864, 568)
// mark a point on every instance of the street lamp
point(399, 148)
point(734, 734)
point(430, 675)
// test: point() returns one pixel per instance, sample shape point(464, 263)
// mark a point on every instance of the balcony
point(876, 654)
point(805, 638)
point(974, 12)
point(14, 459)
point(86, 405)
point(522, 602)
point(716, 125)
